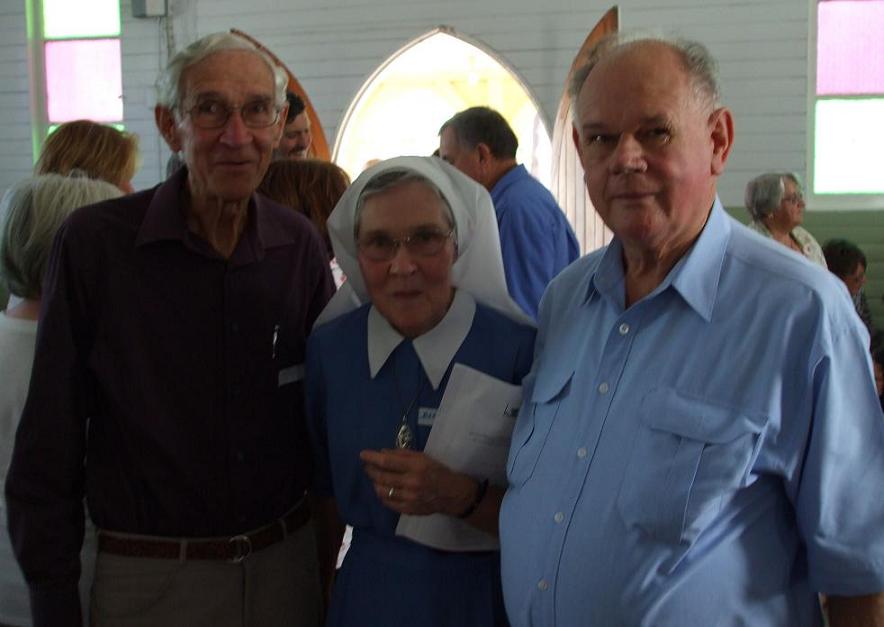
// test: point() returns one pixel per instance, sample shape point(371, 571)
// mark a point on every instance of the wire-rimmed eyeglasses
point(422, 243)
point(213, 113)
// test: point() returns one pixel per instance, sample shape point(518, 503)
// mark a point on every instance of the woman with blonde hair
point(99, 151)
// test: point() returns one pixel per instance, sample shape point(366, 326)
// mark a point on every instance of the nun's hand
point(410, 482)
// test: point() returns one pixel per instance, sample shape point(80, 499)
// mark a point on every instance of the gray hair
point(392, 178)
point(30, 214)
point(169, 83)
point(765, 192)
point(484, 125)
point(698, 63)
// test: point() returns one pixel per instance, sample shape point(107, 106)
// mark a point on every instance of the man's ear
point(484, 153)
point(168, 126)
point(721, 126)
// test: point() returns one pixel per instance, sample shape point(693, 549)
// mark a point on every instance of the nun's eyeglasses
point(421, 243)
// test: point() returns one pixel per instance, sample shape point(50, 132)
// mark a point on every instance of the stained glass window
point(67, 19)
point(84, 80)
point(850, 48)
point(850, 97)
point(849, 136)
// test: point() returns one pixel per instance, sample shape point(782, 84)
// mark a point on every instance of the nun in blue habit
point(425, 290)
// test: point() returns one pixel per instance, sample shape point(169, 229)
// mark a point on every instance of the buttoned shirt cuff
point(55, 605)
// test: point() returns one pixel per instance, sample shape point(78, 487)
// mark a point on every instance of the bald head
point(693, 57)
point(652, 143)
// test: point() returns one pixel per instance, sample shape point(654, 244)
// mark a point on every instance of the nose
point(628, 155)
point(235, 132)
point(402, 262)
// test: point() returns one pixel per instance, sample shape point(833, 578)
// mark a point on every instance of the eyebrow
point(215, 95)
point(652, 120)
point(414, 229)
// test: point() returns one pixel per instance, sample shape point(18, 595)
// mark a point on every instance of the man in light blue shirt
point(536, 240)
point(700, 442)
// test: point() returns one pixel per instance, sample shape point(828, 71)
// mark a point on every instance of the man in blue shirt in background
point(700, 442)
point(535, 238)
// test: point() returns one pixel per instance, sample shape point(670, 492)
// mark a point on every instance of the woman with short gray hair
point(776, 204)
point(30, 214)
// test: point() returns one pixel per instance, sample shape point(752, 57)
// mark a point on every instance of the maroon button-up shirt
point(167, 383)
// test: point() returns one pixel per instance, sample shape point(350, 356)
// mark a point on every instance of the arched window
point(401, 106)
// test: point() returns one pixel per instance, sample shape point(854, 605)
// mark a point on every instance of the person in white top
point(30, 214)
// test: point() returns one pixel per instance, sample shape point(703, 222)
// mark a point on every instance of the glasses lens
point(378, 248)
point(426, 243)
point(215, 113)
point(259, 114)
point(209, 114)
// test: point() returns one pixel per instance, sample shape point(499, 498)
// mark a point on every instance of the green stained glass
point(65, 19)
point(847, 156)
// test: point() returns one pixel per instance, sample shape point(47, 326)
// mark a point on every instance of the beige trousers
point(275, 587)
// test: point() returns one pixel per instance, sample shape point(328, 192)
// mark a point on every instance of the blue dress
point(387, 580)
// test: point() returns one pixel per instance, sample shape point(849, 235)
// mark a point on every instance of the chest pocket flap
point(665, 409)
point(689, 456)
point(544, 391)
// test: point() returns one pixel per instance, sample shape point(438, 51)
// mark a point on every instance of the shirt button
point(581, 452)
point(603, 388)
point(542, 585)
point(559, 517)
point(624, 329)
point(240, 457)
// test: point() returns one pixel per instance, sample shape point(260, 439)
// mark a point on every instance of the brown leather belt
point(232, 549)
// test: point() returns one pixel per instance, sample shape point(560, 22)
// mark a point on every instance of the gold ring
point(390, 493)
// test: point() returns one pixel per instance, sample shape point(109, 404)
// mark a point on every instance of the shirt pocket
point(689, 457)
point(546, 391)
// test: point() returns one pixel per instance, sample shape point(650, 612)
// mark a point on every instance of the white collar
point(435, 348)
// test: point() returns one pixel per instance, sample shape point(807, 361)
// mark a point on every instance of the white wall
point(16, 158)
point(332, 46)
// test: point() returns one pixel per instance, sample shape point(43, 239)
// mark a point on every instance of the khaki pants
point(277, 586)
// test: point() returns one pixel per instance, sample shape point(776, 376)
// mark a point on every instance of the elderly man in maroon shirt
point(167, 384)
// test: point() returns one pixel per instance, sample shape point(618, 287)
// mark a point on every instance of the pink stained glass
point(850, 47)
point(84, 80)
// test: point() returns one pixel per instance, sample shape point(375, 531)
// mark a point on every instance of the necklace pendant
point(404, 438)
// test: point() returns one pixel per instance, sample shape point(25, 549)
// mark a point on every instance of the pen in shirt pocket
point(275, 339)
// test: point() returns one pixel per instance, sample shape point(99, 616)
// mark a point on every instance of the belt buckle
point(243, 548)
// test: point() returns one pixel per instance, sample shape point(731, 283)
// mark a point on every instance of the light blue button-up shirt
point(712, 455)
point(536, 241)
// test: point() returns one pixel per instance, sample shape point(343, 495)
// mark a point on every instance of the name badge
point(291, 374)
point(426, 416)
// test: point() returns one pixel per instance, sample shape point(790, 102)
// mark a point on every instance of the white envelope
point(471, 434)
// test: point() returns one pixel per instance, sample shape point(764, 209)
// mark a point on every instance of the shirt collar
point(435, 348)
point(695, 276)
point(165, 220)
point(512, 175)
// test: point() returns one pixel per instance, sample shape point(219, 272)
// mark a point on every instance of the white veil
point(478, 269)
